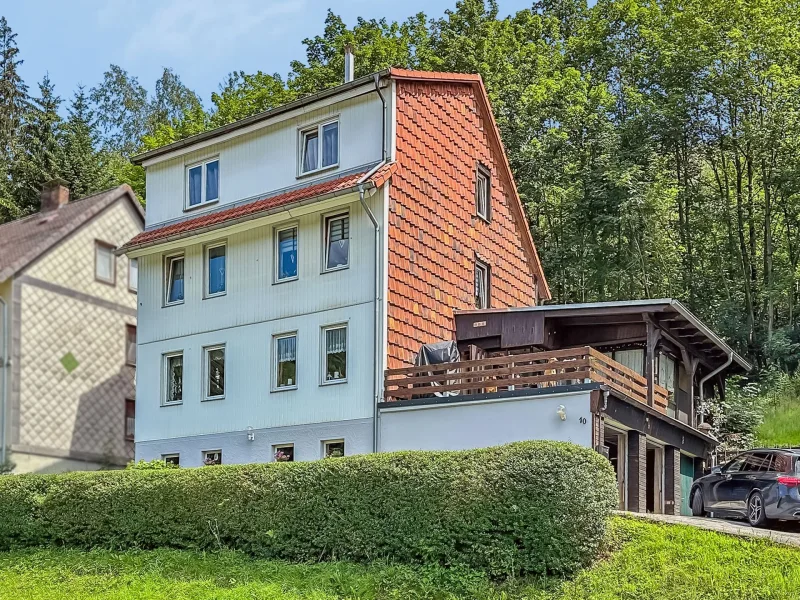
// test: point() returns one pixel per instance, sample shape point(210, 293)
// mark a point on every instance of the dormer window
point(319, 147)
point(202, 183)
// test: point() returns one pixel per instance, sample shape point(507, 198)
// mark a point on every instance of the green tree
point(13, 103)
point(84, 165)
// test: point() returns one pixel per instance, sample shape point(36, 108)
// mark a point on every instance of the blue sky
point(75, 41)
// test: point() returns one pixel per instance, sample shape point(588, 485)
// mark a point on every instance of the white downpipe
point(706, 378)
point(377, 326)
point(4, 385)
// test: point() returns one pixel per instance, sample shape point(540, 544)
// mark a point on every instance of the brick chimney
point(54, 195)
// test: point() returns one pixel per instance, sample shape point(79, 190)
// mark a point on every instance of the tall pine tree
point(83, 164)
point(40, 157)
point(13, 101)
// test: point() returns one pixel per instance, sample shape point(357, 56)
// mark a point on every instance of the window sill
point(485, 219)
point(217, 295)
point(335, 269)
point(166, 404)
point(213, 398)
point(112, 283)
point(333, 382)
point(317, 171)
point(168, 304)
point(287, 388)
point(286, 280)
point(200, 206)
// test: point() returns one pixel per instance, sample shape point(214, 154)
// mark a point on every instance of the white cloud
point(178, 29)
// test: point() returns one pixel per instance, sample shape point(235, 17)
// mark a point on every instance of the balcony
point(569, 366)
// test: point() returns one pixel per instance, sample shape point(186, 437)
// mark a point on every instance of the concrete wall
point(478, 424)
point(236, 448)
point(78, 414)
point(266, 160)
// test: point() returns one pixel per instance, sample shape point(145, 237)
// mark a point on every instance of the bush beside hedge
point(529, 507)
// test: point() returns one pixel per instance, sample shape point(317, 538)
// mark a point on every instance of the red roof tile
point(256, 208)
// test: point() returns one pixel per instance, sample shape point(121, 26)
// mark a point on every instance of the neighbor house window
point(215, 270)
point(202, 183)
point(174, 278)
point(337, 242)
point(286, 252)
point(214, 372)
point(333, 448)
point(283, 452)
point(212, 457)
point(286, 361)
point(173, 378)
point(172, 459)
point(334, 354)
point(130, 345)
point(483, 192)
point(481, 285)
point(130, 419)
point(133, 274)
point(104, 263)
point(319, 147)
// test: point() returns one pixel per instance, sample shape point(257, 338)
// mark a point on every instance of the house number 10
point(582, 420)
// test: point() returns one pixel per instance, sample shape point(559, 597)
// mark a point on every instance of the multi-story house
point(289, 258)
point(294, 263)
point(68, 333)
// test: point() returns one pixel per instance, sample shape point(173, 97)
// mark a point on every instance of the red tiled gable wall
point(434, 233)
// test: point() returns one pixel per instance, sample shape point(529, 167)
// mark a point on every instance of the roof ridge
point(39, 213)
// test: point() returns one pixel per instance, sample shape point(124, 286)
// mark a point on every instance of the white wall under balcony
point(479, 424)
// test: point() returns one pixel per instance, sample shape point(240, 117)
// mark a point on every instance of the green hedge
point(530, 507)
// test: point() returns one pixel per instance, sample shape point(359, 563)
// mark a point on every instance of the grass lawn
point(648, 561)
point(781, 426)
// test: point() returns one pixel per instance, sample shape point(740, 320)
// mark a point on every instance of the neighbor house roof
point(264, 205)
point(24, 240)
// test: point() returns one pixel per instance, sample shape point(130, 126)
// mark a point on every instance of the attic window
point(319, 147)
point(483, 192)
point(202, 183)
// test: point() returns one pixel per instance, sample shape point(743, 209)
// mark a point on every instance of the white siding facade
point(255, 307)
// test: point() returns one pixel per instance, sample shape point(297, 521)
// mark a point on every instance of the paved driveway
point(788, 533)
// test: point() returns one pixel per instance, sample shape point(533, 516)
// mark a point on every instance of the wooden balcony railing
point(536, 370)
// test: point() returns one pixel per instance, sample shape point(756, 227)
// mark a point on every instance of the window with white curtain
point(173, 378)
point(334, 357)
point(337, 242)
point(215, 372)
point(481, 285)
point(285, 351)
point(319, 147)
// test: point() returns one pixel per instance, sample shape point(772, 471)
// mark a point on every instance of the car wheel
point(698, 510)
point(756, 513)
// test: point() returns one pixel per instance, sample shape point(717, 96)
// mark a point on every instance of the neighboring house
point(294, 263)
point(68, 329)
point(291, 257)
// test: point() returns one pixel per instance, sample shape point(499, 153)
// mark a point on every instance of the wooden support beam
point(653, 337)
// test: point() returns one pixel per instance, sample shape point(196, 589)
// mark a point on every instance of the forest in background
point(654, 143)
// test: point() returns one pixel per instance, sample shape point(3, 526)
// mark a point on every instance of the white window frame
point(207, 452)
point(207, 271)
point(207, 373)
point(133, 285)
point(168, 260)
point(302, 132)
point(325, 444)
point(276, 447)
point(326, 220)
point(177, 455)
point(324, 353)
point(274, 377)
point(204, 168)
point(165, 378)
point(277, 278)
point(106, 247)
point(482, 173)
point(487, 270)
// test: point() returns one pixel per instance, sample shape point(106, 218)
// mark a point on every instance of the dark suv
point(759, 485)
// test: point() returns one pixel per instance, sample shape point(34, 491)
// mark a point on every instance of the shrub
point(529, 507)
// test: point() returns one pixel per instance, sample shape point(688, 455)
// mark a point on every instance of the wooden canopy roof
point(599, 324)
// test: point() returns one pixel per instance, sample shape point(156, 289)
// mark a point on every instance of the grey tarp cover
point(438, 354)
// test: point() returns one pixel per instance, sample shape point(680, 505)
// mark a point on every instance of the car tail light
point(789, 481)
